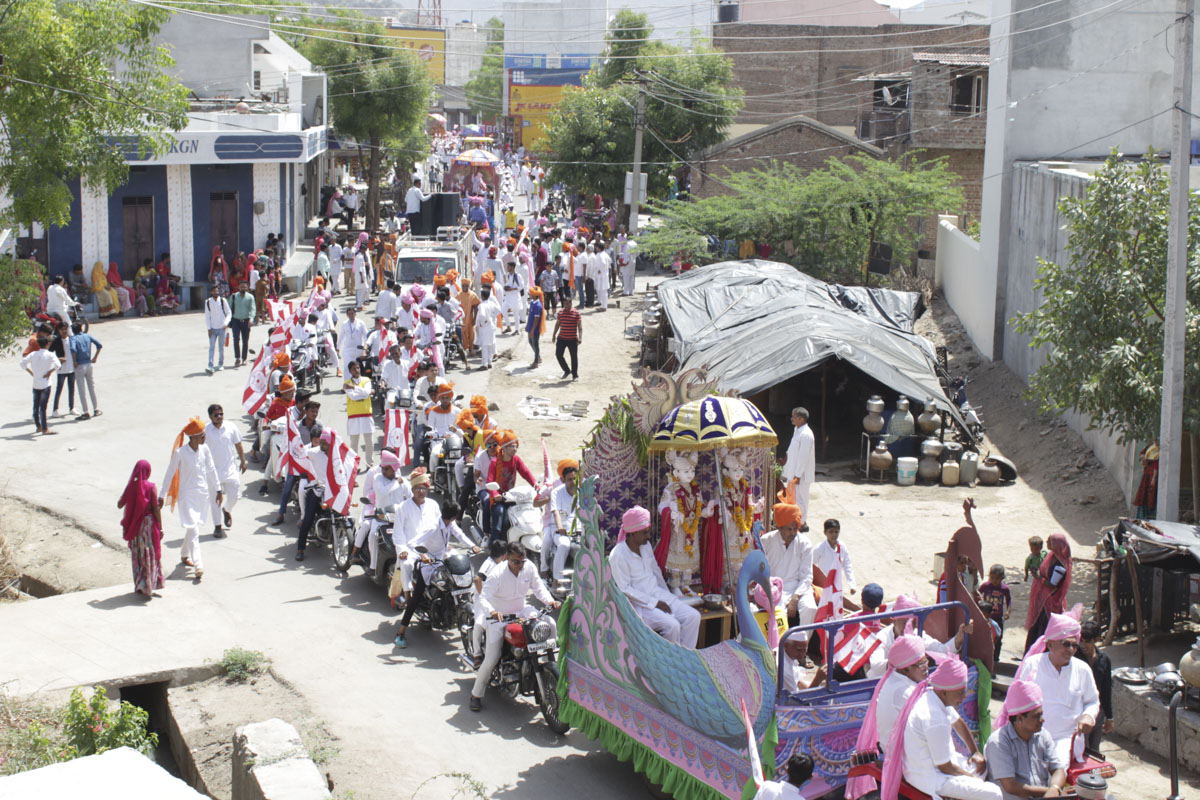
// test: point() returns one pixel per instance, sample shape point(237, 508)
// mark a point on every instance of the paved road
point(400, 715)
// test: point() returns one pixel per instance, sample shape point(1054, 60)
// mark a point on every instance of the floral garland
point(688, 505)
point(739, 508)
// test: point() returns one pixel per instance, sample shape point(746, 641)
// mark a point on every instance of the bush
point(241, 665)
point(92, 726)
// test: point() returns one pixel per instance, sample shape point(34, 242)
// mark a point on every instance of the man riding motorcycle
point(562, 521)
point(388, 490)
point(504, 593)
point(440, 419)
point(395, 372)
point(436, 542)
point(416, 516)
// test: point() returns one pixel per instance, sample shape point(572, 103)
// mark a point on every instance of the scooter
point(524, 523)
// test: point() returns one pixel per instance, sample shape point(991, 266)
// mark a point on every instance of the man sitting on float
point(1071, 701)
point(638, 577)
point(921, 747)
point(1021, 756)
point(790, 555)
point(879, 657)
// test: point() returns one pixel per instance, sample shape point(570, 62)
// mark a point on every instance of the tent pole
point(824, 390)
point(725, 517)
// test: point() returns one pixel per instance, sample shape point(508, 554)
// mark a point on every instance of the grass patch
point(242, 665)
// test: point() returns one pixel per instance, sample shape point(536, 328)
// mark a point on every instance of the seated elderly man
point(637, 576)
point(1021, 756)
point(1071, 701)
point(921, 747)
point(790, 556)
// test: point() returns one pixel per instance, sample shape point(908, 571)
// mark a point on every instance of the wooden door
point(137, 234)
point(223, 227)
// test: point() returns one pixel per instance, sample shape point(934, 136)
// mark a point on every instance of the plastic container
point(906, 471)
point(950, 473)
point(967, 468)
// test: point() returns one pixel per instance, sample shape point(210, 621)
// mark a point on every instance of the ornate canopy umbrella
point(476, 158)
point(712, 422)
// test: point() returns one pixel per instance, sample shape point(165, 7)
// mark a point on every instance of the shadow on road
point(131, 598)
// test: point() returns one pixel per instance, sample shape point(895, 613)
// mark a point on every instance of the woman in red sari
point(1048, 594)
point(114, 280)
point(142, 526)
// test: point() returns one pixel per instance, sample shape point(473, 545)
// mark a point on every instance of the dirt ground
point(54, 553)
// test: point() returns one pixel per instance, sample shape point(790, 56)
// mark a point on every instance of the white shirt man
point(485, 330)
point(58, 300)
point(350, 200)
point(601, 265)
point(790, 556)
point(437, 543)
point(362, 280)
point(638, 577)
point(335, 267)
point(414, 198)
point(1068, 694)
point(395, 375)
point(413, 521)
point(512, 282)
point(801, 459)
point(198, 486)
point(224, 441)
point(385, 304)
point(504, 594)
point(390, 494)
point(352, 337)
point(892, 697)
point(560, 523)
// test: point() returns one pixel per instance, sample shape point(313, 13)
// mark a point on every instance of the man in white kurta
point(362, 280)
point(416, 516)
point(601, 265)
point(225, 442)
point(1070, 701)
point(639, 578)
point(505, 593)
point(352, 338)
point(512, 282)
point(790, 556)
point(198, 486)
point(485, 328)
point(390, 491)
point(801, 463)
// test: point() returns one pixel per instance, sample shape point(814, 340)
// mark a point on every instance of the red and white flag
point(295, 456)
point(255, 394)
point(396, 422)
point(341, 475)
point(756, 768)
point(279, 309)
point(853, 646)
point(280, 336)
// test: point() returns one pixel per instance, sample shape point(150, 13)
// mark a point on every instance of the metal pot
point(952, 452)
point(1091, 786)
point(932, 447)
point(929, 469)
point(873, 421)
point(902, 405)
point(1189, 665)
point(875, 404)
point(881, 458)
point(930, 420)
point(988, 473)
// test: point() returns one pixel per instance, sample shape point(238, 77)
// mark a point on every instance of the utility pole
point(639, 122)
point(1170, 426)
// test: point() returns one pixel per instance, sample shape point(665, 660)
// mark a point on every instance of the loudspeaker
point(445, 210)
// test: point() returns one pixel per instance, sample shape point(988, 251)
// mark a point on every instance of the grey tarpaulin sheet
point(1175, 535)
point(756, 323)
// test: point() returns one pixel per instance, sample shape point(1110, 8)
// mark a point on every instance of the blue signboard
point(581, 61)
point(546, 77)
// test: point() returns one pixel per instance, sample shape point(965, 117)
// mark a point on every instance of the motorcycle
point(524, 522)
point(528, 665)
point(446, 603)
point(561, 587)
point(970, 412)
point(445, 482)
point(74, 313)
point(306, 366)
point(335, 530)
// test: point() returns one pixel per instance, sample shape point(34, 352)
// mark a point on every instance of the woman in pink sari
point(218, 271)
point(142, 526)
point(1048, 594)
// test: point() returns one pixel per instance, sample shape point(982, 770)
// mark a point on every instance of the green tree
point(377, 94)
point(1100, 322)
point(690, 103)
point(485, 89)
point(73, 73)
point(830, 215)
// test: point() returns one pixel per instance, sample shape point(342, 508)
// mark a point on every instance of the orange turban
point(286, 385)
point(452, 275)
point(506, 437)
point(479, 405)
point(281, 360)
point(565, 464)
point(535, 292)
point(487, 278)
point(466, 421)
point(194, 427)
point(787, 514)
point(489, 436)
point(445, 390)
point(439, 280)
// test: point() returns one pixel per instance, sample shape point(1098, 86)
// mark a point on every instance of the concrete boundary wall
point(964, 280)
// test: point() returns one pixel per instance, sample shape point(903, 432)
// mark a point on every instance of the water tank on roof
point(727, 12)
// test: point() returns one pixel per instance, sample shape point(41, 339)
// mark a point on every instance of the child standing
point(832, 557)
point(998, 596)
point(1035, 558)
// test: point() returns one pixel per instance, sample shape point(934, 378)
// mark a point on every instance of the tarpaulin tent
point(753, 324)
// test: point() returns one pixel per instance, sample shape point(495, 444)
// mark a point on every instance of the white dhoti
point(360, 293)
point(194, 511)
point(802, 489)
point(512, 304)
point(681, 626)
point(560, 545)
point(963, 787)
point(361, 431)
point(627, 277)
point(231, 487)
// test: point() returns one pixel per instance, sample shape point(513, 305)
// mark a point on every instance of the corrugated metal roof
point(955, 58)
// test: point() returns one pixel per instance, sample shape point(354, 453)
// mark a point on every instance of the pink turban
point(905, 602)
point(389, 459)
point(362, 237)
point(906, 651)
point(1060, 626)
point(327, 436)
point(426, 313)
point(407, 298)
point(951, 675)
point(417, 291)
point(1022, 696)
point(633, 520)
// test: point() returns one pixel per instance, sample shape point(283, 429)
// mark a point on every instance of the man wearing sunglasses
point(1071, 702)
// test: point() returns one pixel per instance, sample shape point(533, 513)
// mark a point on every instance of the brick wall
point(934, 122)
point(816, 72)
point(968, 165)
point(807, 147)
